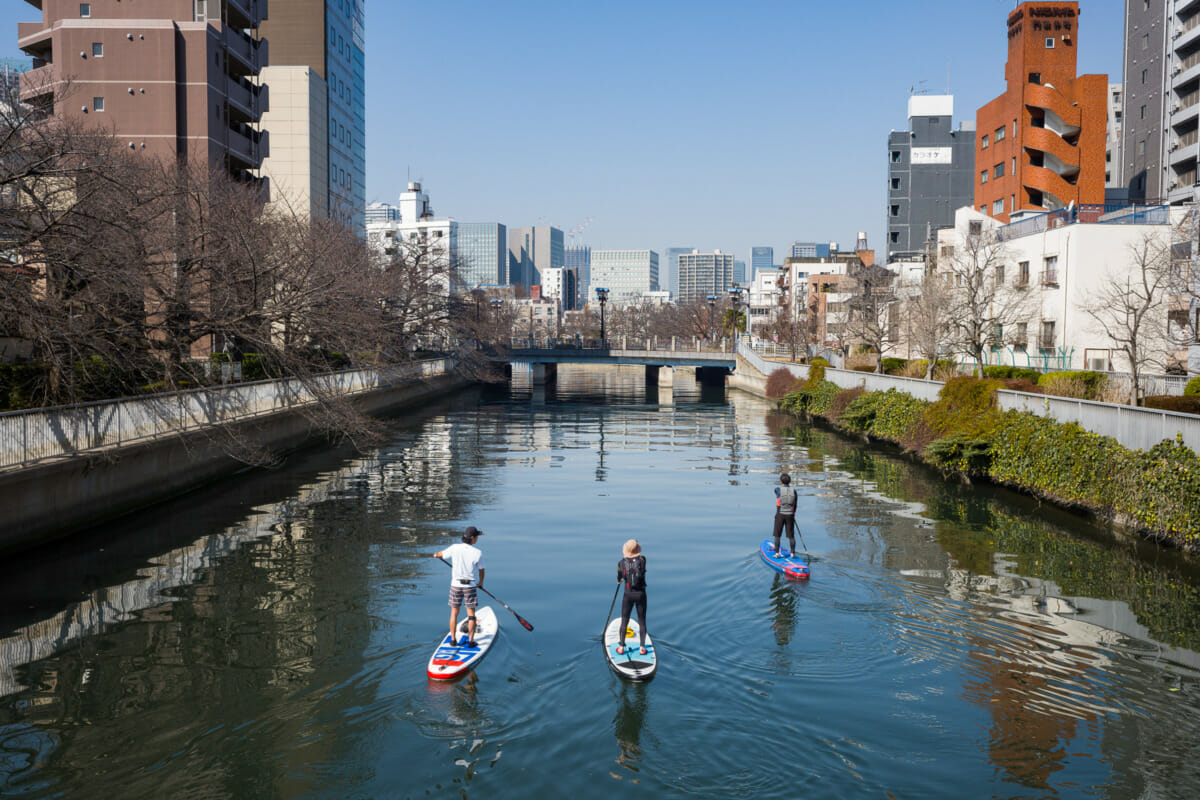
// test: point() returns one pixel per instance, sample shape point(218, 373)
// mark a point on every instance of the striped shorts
point(463, 596)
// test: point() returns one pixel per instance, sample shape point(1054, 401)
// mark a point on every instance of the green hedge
point(1170, 402)
point(963, 433)
point(894, 365)
point(1011, 373)
point(1193, 388)
point(1085, 384)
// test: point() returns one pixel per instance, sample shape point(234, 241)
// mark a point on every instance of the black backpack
point(635, 573)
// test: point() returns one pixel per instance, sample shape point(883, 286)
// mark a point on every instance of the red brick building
point(1041, 144)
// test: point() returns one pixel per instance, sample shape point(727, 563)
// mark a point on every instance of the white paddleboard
point(451, 660)
point(631, 664)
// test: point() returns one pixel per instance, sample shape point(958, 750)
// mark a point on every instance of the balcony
point(247, 146)
point(252, 54)
point(38, 82)
point(1186, 34)
point(1045, 342)
point(246, 13)
point(1049, 277)
point(1021, 282)
point(1019, 342)
point(1185, 112)
point(250, 100)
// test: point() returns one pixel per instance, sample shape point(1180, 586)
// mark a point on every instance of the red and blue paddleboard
point(453, 660)
point(793, 565)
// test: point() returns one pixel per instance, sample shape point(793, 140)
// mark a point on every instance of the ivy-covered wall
point(1155, 491)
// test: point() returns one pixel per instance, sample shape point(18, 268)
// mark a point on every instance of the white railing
point(27, 437)
point(1132, 427)
point(676, 344)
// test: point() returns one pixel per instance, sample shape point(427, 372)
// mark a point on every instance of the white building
point(764, 297)
point(704, 274)
point(434, 239)
point(627, 274)
point(1054, 265)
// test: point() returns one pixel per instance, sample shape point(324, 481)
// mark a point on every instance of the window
point(1050, 43)
point(97, 50)
point(983, 143)
point(1000, 133)
point(998, 207)
point(983, 176)
point(1022, 334)
point(1046, 340)
point(1000, 170)
point(1145, 41)
point(1023, 273)
point(1000, 274)
point(85, 10)
point(895, 210)
point(1035, 77)
point(895, 237)
point(200, 12)
point(1012, 202)
point(1145, 73)
point(1141, 147)
point(975, 226)
point(98, 103)
point(895, 156)
point(1142, 112)
point(1050, 271)
point(895, 183)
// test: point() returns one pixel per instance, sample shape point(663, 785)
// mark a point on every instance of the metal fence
point(1132, 427)
point(658, 343)
point(27, 437)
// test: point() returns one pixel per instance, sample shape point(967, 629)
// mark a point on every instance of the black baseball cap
point(471, 532)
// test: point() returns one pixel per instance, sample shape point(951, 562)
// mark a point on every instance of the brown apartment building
point(173, 78)
point(1041, 144)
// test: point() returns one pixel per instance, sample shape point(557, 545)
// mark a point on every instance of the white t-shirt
point(465, 562)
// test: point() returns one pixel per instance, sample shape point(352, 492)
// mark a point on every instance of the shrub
point(1193, 388)
point(896, 414)
point(1009, 372)
point(255, 367)
point(780, 382)
point(21, 385)
point(1169, 402)
point(816, 372)
point(945, 370)
point(1021, 385)
point(863, 367)
point(894, 366)
point(1083, 384)
point(842, 401)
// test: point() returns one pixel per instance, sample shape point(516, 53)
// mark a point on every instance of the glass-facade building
point(704, 274)
point(762, 259)
point(345, 76)
point(627, 274)
point(482, 253)
point(671, 269)
point(580, 259)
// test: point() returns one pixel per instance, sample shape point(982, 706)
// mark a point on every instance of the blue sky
point(692, 123)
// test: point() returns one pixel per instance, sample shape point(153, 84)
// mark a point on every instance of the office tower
point(762, 259)
point(531, 250)
point(1112, 139)
point(382, 212)
point(931, 168)
point(318, 113)
point(704, 274)
point(739, 273)
point(173, 78)
point(627, 274)
point(482, 253)
point(579, 259)
point(10, 77)
point(1040, 145)
point(561, 284)
point(1161, 101)
point(671, 269)
point(811, 250)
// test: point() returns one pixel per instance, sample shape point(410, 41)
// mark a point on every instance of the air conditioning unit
point(1098, 364)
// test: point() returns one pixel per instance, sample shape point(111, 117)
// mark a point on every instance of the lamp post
point(712, 315)
point(495, 303)
point(602, 296)
point(735, 300)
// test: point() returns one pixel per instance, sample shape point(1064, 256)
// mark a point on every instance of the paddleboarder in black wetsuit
point(632, 570)
point(785, 512)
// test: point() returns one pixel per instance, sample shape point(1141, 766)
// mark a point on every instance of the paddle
point(524, 622)
point(611, 606)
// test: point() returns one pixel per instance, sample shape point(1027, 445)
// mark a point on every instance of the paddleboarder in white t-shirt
point(466, 575)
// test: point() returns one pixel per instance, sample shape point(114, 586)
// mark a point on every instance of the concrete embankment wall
point(51, 499)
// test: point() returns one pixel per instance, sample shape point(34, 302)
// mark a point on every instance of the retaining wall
point(54, 498)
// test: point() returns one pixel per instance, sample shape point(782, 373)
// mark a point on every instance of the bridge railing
point(27, 437)
point(655, 343)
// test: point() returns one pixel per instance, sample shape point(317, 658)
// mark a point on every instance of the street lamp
point(712, 315)
point(602, 296)
point(735, 300)
point(495, 303)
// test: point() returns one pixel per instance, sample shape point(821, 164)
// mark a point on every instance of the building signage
point(932, 155)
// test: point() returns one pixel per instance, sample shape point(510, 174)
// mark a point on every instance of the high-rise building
point(482, 253)
point(739, 272)
point(704, 274)
point(579, 258)
point(317, 77)
point(931, 168)
point(762, 259)
point(1040, 145)
point(811, 250)
point(561, 284)
point(671, 268)
point(531, 250)
point(173, 78)
point(627, 274)
point(1161, 101)
point(382, 212)
point(1112, 139)
point(10, 77)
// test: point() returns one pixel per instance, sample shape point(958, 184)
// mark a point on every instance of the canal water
point(268, 637)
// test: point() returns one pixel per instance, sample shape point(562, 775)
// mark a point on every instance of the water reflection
point(630, 718)
point(784, 604)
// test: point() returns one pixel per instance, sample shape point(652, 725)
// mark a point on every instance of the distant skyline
point(669, 123)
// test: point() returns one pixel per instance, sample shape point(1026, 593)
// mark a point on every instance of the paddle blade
point(524, 622)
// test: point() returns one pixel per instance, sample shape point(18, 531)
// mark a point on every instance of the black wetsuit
point(633, 597)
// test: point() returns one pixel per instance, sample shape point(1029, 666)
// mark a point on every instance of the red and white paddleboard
point(451, 660)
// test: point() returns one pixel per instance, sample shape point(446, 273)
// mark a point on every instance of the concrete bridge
point(660, 356)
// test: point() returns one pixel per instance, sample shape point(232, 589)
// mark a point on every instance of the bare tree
point(871, 297)
point(1130, 307)
point(980, 305)
point(928, 310)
